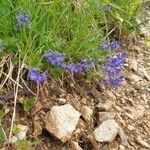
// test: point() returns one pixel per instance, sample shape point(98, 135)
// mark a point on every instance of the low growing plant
point(63, 35)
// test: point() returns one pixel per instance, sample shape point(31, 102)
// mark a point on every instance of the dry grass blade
point(16, 88)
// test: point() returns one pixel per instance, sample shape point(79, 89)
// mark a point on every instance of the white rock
point(75, 146)
point(133, 64)
point(61, 121)
point(22, 132)
point(22, 135)
point(87, 113)
point(107, 131)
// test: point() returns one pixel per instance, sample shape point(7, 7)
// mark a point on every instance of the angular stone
point(138, 111)
point(105, 106)
point(143, 73)
point(61, 121)
point(107, 131)
point(142, 143)
point(62, 101)
point(87, 113)
point(133, 64)
point(102, 116)
point(22, 131)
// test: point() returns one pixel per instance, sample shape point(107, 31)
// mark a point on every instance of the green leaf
point(28, 104)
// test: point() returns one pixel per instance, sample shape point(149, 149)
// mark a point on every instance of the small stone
point(138, 111)
point(87, 113)
point(133, 64)
point(22, 131)
point(130, 128)
point(75, 146)
point(105, 106)
point(135, 78)
point(103, 116)
point(142, 143)
point(22, 135)
point(143, 73)
point(107, 131)
point(137, 48)
point(123, 137)
point(61, 121)
point(62, 101)
point(83, 101)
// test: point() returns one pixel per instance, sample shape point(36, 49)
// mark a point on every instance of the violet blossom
point(36, 76)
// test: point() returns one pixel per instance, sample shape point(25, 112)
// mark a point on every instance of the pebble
point(133, 64)
point(87, 113)
point(62, 101)
point(105, 106)
point(107, 131)
point(22, 131)
point(130, 127)
point(143, 73)
point(142, 143)
point(138, 111)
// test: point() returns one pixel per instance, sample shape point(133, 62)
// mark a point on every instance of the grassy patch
point(75, 28)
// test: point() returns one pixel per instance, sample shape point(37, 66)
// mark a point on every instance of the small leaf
point(28, 103)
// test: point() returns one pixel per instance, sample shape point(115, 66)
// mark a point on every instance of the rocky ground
point(82, 115)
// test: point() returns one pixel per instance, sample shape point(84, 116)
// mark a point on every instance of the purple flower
point(116, 59)
point(36, 76)
point(54, 58)
point(115, 45)
point(111, 46)
point(105, 47)
point(114, 81)
point(23, 19)
point(74, 68)
point(112, 71)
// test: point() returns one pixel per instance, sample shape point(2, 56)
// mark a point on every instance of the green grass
point(75, 28)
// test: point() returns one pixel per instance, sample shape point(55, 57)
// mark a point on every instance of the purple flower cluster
point(112, 69)
point(36, 76)
point(111, 46)
point(54, 58)
point(23, 19)
point(84, 66)
point(76, 68)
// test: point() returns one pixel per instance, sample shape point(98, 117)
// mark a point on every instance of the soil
point(130, 103)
